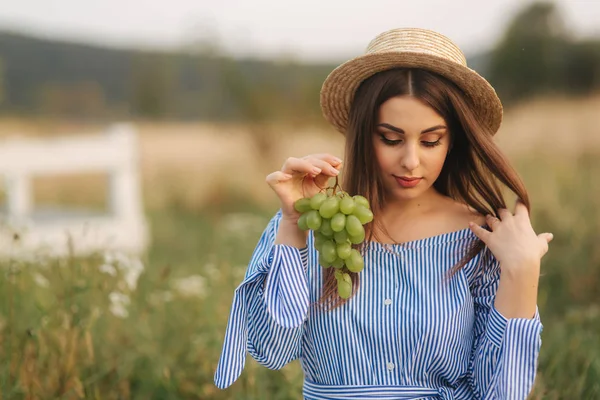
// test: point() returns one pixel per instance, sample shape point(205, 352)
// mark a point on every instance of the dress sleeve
point(269, 309)
point(505, 353)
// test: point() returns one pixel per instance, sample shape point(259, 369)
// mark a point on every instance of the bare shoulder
point(465, 214)
point(461, 214)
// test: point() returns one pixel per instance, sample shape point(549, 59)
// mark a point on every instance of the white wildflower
point(40, 280)
point(109, 258)
point(108, 269)
point(132, 267)
point(191, 286)
point(133, 272)
point(118, 304)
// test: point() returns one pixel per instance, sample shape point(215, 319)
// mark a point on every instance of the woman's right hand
point(302, 177)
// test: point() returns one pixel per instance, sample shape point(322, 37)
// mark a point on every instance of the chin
point(404, 194)
point(400, 194)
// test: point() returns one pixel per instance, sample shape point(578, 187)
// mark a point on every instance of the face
point(411, 142)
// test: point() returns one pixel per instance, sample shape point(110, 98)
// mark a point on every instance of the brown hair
point(472, 172)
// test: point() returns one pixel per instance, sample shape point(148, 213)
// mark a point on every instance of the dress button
point(387, 302)
point(390, 366)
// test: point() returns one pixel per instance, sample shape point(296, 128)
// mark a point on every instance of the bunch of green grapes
point(337, 221)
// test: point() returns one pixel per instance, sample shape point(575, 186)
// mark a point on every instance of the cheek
point(436, 159)
point(386, 157)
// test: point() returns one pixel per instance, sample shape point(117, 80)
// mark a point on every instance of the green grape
point(344, 250)
point(357, 239)
point(338, 274)
point(363, 214)
point(341, 236)
point(353, 225)
point(342, 195)
point(328, 250)
point(313, 220)
point(344, 289)
point(326, 228)
point(302, 222)
point(319, 238)
point(355, 261)
point(330, 207)
point(344, 284)
point(347, 205)
point(324, 263)
point(302, 205)
point(338, 263)
point(346, 278)
point(361, 200)
point(317, 200)
point(338, 222)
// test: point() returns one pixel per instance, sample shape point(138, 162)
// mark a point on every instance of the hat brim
point(339, 87)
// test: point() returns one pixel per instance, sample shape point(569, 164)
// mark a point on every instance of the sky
point(309, 30)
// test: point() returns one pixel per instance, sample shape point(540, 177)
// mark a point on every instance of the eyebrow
point(398, 130)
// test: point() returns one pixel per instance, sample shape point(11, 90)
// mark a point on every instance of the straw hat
point(415, 48)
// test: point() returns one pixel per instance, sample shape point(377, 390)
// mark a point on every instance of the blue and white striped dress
point(408, 333)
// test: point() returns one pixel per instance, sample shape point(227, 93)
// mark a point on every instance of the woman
point(446, 305)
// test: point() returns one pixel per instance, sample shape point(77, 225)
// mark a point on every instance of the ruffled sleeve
point(269, 309)
point(505, 353)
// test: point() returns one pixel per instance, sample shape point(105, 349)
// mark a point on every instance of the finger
point(504, 214)
point(481, 233)
point(326, 167)
point(296, 165)
point(492, 221)
point(545, 238)
point(329, 158)
point(277, 177)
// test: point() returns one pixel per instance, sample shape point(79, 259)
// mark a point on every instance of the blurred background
point(211, 97)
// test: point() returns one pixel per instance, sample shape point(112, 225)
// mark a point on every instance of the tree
point(582, 69)
point(152, 84)
point(1, 83)
point(530, 57)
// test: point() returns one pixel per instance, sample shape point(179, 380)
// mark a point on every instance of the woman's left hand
point(513, 241)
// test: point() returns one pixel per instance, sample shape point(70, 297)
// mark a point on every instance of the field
point(113, 327)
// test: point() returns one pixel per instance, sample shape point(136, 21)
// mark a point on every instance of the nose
point(410, 158)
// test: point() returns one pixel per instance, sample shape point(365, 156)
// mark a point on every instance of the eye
point(432, 144)
point(388, 141)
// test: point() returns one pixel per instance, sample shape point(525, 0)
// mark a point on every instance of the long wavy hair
point(473, 172)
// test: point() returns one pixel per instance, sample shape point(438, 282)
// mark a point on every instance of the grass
point(63, 336)
point(110, 326)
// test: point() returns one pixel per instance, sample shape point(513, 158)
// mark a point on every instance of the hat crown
point(417, 41)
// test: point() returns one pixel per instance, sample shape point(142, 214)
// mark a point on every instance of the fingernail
point(334, 171)
point(316, 170)
point(337, 159)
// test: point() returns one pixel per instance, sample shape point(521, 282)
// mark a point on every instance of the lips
point(407, 182)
